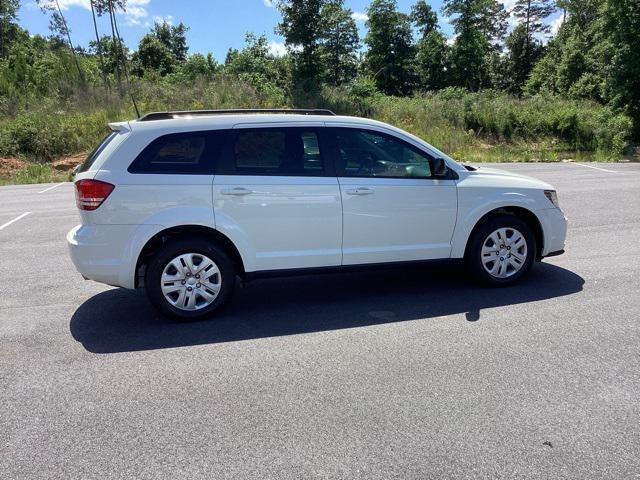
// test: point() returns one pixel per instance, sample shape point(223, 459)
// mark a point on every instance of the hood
point(502, 178)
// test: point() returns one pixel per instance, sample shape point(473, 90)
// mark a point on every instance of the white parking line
point(14, 220)
point(51, 188)
point(591, 166)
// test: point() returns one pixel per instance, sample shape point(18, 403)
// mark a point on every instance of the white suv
point(183, 202)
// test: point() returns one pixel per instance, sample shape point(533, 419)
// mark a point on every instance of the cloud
point(65, 4)
point(134, 14)
point(158, 19)
point(268, 3)
point(277, 49)
point(360, 16)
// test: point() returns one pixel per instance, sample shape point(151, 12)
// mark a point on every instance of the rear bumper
point(98, 253)
point(554, 227)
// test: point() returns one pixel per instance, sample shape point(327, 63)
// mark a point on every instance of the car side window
point(180, 153)
point(367, 153)
point(277, 151)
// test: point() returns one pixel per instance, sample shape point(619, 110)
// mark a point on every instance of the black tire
point(473, 255)
point(174, 249)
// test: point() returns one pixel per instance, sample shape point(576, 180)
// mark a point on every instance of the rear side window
point(277, 151)
point(86, 165)
point(181, 153)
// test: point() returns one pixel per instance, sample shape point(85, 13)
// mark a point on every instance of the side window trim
point(332, 131)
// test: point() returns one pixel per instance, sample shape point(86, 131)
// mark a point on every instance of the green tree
point(621, 25)
point(255, 65)
point(302, 30)
point(531, 14)
point(163, 49)
point(480, 26)
point(340, 43)
point(524, 51)
point(8, 17)
point(390, 56)
point(173, 38)
point(432, 51)
point(154, 55)
point(424, 17)
point(58, 25)
point(198, 65)
point(574, 63)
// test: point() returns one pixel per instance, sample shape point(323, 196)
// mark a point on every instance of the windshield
point(86, 165)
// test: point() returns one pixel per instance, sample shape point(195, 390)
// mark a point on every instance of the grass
point(484, 126)
point(35, 173)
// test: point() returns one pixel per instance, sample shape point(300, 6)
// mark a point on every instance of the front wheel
point(501, 250)
point(189, 279)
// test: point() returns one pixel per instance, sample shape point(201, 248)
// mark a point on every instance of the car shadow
point(122, 320)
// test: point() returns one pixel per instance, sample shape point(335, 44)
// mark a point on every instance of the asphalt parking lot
point(414, 373)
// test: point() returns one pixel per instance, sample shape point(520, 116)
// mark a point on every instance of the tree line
point(594, 55)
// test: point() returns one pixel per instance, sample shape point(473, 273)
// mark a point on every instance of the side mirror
point(439, 167)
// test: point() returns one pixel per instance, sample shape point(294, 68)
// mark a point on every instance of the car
point(183, 203)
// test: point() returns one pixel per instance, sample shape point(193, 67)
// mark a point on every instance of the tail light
point(90, 194)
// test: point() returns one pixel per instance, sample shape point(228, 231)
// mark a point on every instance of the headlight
point(553, 197)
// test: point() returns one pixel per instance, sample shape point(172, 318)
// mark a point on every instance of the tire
point(179, 294)
point(510, 263)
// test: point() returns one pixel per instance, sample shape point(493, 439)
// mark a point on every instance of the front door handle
point(236, 191)
point(360, 191)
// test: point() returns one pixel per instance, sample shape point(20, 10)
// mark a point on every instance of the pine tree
point(431, 49)
point(302, 30)
point(390, 56)
point(480, 26)
point(340, 42)
point(532, 14)
point(8, 14)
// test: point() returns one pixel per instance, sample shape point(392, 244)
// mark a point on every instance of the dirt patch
point(9, 166)
point(65, 164)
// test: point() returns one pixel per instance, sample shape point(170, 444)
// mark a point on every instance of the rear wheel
point(190, 279)
point(501, 250)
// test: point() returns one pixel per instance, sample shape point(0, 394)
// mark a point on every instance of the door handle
point(360, 191)
point(236, 191)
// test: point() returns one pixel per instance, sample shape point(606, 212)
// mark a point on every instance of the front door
point(393, 209)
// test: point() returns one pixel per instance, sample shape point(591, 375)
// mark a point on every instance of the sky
point(214, 25)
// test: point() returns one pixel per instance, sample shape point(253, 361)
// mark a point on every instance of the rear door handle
point(360, 191)
point(236, 191)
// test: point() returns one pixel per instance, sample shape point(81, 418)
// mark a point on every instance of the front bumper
point(554, 229)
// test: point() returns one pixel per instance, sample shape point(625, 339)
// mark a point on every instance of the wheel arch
point(529, 217)
point(160, 239)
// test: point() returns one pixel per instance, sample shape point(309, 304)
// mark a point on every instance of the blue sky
point(215, 25)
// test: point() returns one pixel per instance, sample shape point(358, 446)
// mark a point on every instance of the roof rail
point(173, 114)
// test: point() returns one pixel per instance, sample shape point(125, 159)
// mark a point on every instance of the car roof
point(185, 122)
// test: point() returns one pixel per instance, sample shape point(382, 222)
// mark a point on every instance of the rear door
point(276, 196)
point(394, 209)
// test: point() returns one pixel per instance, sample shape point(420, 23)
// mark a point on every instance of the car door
point(393, 208)
point(277, 198)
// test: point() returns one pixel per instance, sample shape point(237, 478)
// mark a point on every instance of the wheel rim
point(504, 252)
point(191, 281)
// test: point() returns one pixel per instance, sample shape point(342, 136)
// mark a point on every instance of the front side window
point(366, 153)
point(277, 151)
point(180, 153)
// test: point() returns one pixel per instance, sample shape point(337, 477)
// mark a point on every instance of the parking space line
point(591, 166)
point(51, 188)
point(14, 220)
